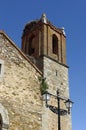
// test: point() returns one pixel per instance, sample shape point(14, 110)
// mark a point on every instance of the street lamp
point(58, 110)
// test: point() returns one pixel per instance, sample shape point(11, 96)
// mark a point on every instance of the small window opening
point(55, 44)
point(0, 68)
point(56, 73)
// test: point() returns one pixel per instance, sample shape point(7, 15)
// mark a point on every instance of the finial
point(43, 18)
point(63, 30)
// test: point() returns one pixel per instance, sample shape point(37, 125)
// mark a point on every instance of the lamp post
point(58, 110)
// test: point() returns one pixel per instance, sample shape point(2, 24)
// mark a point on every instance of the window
point(31, 45)
point(1, 68)
point(54, 44)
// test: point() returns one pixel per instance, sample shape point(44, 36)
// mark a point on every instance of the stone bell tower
point(45, 45)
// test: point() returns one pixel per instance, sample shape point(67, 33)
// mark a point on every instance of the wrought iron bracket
point(55, 110)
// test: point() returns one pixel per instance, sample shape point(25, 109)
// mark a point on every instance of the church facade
point(43, 55)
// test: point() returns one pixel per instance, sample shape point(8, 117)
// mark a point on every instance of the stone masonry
point(19, 89)
point(57, 78)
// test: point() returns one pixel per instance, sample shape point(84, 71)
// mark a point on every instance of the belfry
point(42, 39)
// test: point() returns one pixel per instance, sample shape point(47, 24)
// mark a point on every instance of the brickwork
point(43, 34)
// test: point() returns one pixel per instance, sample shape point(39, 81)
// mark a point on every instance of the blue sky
point(70, 14)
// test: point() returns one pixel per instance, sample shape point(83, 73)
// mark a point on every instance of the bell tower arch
point(54, 44)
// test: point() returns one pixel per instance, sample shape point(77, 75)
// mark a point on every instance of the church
point(26, 73)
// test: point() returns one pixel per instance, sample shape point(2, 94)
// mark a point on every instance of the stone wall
point(57, 78)
point(19, 89)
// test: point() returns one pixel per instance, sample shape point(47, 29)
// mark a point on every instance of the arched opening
point(4, 119)
point(31, 45)
point(54, 44)
point(1, 122)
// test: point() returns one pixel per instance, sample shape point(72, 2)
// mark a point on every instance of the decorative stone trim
point(5, 118)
